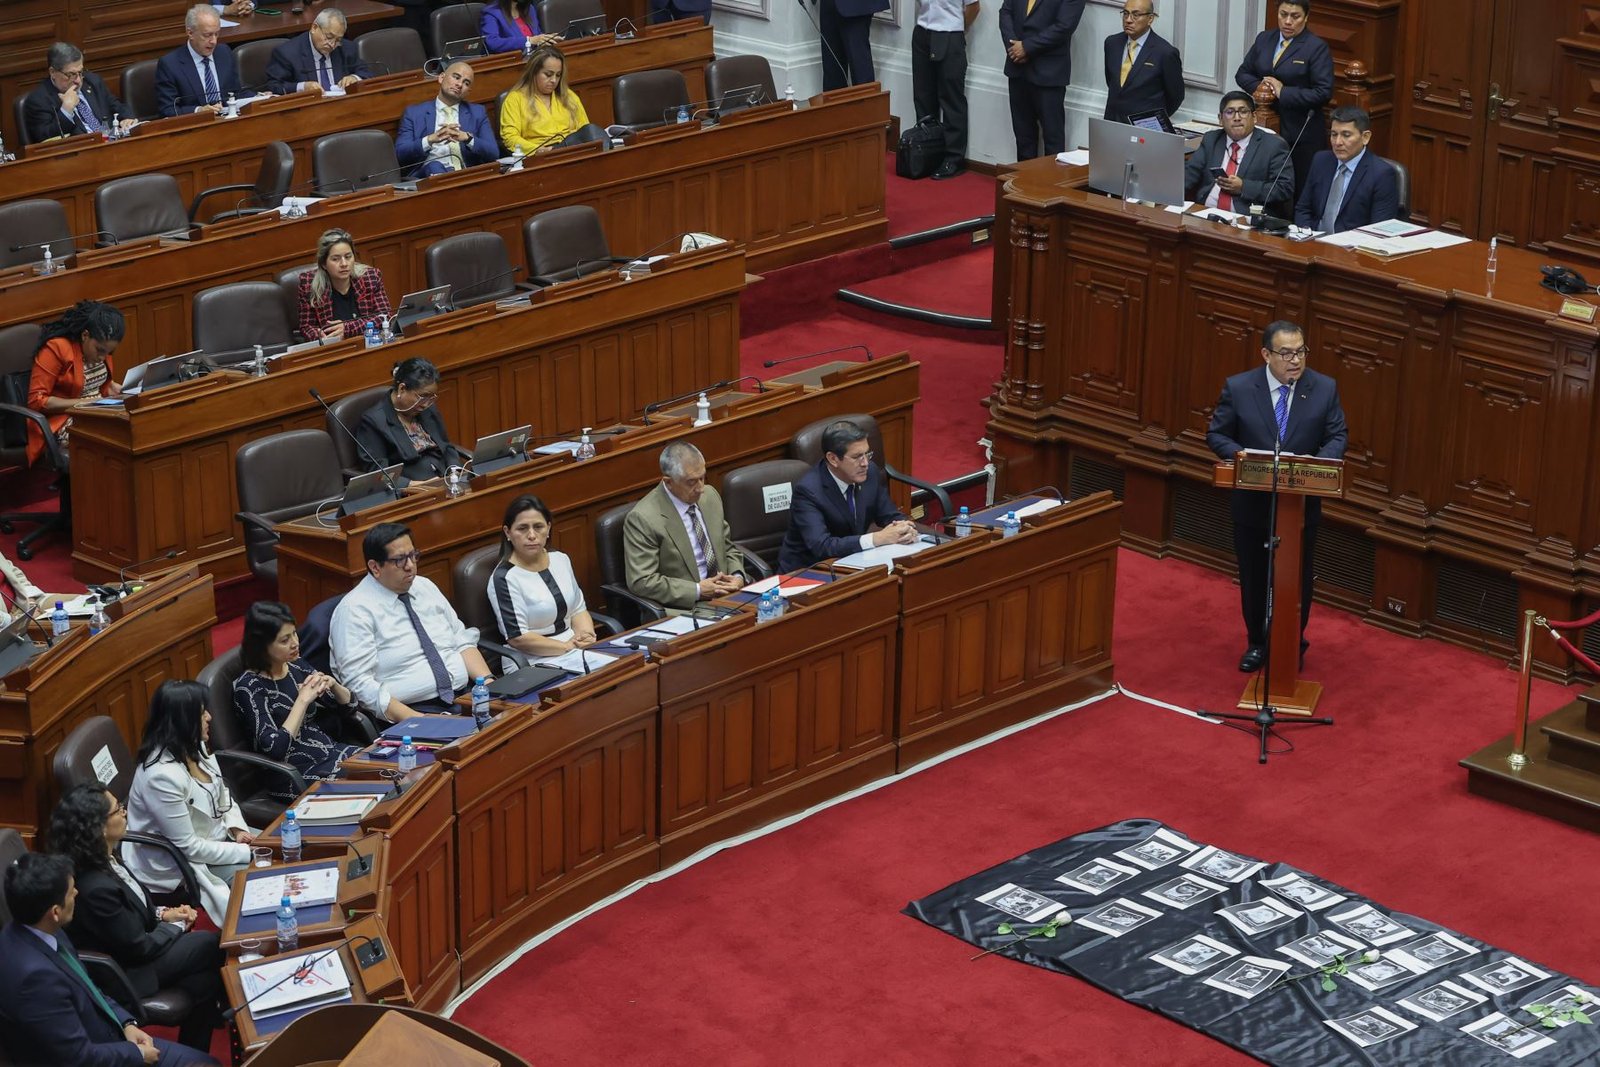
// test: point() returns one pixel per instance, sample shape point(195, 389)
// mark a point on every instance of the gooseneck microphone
point(122, 572)
point(96, 234)
point(360, 866)
point(769, 364)
point(1268, 223)
point(651, 409)
point(484, 283)
point(368, 456)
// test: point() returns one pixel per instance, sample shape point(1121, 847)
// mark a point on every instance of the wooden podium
point(1298, 477)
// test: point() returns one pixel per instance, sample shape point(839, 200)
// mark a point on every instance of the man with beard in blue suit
point(839, 501)
point(447, 132)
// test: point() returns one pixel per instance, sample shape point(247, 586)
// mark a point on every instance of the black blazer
point(57, 1020)
point(1245, 418)
point(41, 111)
point(1268, 176)
point(381, 434)
point(820, 525)
point(1306, 71)
point(1046, 35)
point(1156, 80)
point(295, 61)
point(1371, 195)
point(113, 919)
point(179, 90)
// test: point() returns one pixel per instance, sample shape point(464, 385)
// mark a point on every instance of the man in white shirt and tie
point(1239, 165)
point(448, 132)
point(397, 643)
point(319, 61)
point(676, 543)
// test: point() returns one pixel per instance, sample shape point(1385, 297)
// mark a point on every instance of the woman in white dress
point(178, 792)
point(533, 592)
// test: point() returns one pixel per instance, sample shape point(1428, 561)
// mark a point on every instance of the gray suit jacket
point(659, 557)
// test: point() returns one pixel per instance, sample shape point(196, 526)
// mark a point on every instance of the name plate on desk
point(1306, 475)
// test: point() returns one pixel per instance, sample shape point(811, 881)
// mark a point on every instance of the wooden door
point(1521, 199)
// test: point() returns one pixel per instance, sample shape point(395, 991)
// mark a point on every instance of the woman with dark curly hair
point(73, 367)
point(115, 915)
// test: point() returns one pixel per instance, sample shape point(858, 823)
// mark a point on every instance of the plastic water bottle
point(963, 523)
point(683, 112)
point(770, 606)
point(371, 332)
point(455, 481)
point(585, 446)
point(59, 623)
point(788, 94)
point(288, 927)
point(480, 703)
point(289, 834)
point(259, 368)
point(407, 761)
point(1010, 526)
point(97, 618)
point(702, 411)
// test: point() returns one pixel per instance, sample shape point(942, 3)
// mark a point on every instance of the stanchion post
point(1519, 734)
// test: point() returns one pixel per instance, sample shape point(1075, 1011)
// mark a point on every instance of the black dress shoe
point(948, 169)
point(1250, 662)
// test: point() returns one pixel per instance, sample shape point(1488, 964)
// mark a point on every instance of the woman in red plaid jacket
point(342, 294)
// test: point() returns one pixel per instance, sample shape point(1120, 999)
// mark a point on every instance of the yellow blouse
point(526, 124)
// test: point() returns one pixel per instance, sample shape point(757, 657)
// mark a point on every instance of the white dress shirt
point(199, 62)
point(946, 16)
point(195, 816)
point(1244, 146)
point(844, 491)
point(447, 150)
point(688, 526)
point(376, 653)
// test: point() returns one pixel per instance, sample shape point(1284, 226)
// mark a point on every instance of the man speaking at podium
point(1287, 404)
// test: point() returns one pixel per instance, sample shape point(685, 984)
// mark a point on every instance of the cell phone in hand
point(1217, 173)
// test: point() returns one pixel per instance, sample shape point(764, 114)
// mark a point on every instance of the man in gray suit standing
point(1239, 165)
point(676, 543)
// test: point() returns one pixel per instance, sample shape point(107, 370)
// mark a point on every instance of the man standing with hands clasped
point(1289, 405)
point(1038, 39)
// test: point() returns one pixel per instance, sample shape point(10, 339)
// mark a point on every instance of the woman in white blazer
point(178, 792)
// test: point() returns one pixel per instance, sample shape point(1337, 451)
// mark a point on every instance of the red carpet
point(790, 949)
point(956, 286)
point(915, 206)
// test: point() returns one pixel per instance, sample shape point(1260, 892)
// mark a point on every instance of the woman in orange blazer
point(72, 368)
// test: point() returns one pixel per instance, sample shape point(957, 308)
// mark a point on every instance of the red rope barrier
point(1576, 624)
point(1579, 656)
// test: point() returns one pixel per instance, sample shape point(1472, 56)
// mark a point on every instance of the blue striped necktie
point(212, 95)
point(1282, 411)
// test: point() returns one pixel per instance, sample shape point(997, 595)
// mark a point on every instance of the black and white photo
point(1020, 903)
point(1301, 890)
point(1193, 954)
point(1370, 925)
point(1505, 976)
point(1507, 1035)
point(1371, 1027)
point(1223, 866)
point(1183, 891)
point(1432, 951)
point(1439, 1002)
point(1571, 998)
point(1322, 948)
point(1158, 850)
point(1258, 916)
point(1247, 976)
point(1096, 876)
point(1119, 916)
point(1381, 973)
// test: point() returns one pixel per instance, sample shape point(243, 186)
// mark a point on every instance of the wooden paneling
point(419, 904)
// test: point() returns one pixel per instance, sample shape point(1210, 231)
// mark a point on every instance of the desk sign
point(1305, 475)
point(1577, 309)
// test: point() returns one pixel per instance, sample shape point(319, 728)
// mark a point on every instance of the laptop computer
point(501, 449)
point(743, 97)
point(371, 489)
point(156, 373)
point(588, 26)
point(524, 681)
point(16, 648)
point(422, 304)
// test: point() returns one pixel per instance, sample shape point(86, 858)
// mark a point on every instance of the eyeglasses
point(1291, 354)
point(1237, 112)
point(218, 800)
point(71, 75)
point(1134, 16)
point(120, 809)
point(410, 557)
point(865, 457)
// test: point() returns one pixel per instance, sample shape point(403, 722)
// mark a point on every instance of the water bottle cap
point(288, 816)
point(406, 739)
point(285, 903)
point(1011, 514)
point(60, 606)
point(964, 509)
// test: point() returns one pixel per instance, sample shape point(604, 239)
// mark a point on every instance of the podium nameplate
point(1305, 475)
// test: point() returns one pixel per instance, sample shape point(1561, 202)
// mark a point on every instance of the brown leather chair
point(643, 99)
point(758, 531)
point(289, 285)
point(453, 32)
point(18, 344)
point(739, 72)
point(349, 409)
point(391, 50)
point(252, 778)
point(806, 445)
point(1402, 179)
point(140, 205)
point(273, 181)
point(474, 265)
point(28, 223)
point(565, 243)
point(556, 15)
point(253, 57)
point(622, 604)
point(18, 113)
point(330, 1034)
point(228, 320)
point(281, 477)
point(74, 763)
point(139, 89)
point(353, 159)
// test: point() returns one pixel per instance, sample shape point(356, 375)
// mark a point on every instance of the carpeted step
point(1545, 785)
point(1572, 740)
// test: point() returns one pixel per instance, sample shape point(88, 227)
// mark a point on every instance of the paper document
point(671, 626)
point(335, 807)
point(304, 982)
point(1078, 157)
point(881, 555)
point(574, 661)
point(1179, 209)
point(1393, 228)
point(1036, 507)
point(556, 448)
point(305, 889)
point(793, 584)
point(1362, 241)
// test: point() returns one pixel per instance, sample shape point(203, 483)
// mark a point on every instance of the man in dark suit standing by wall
point(1144, 72)
point(320, 59)
point(1297, 69)
point(1287, 404)
point(1348, 187)
point(1254, 162)
point(846, 27)
point(1037, 35)
point(70, 100)
point(839, 501)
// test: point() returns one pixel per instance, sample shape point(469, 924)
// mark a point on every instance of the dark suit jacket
point(1268, 177)
point(417, 122)
point(1371, 195)
point(1244, 418)
point(41, 112)
point(860, 8)
point(501, 33)
point(820, 526)
point(295, 61)
point(1306, 71)
point(381, 434)
point(1156, 80)
point(111, 918)
point(178, 87)
point(48, 1013)
point(1046, 36)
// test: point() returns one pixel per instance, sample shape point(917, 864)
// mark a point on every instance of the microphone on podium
point(769, 364)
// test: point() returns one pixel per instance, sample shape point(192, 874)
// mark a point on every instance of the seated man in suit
point(1144, 72)
point(839, 501)
point(1348, 187)
point(676, 542)
point(51, 1011)
point(398, 645)
point(1254, 163)
point(202, 74)
point(447, 132)
point(71, 100)
point(320, 59)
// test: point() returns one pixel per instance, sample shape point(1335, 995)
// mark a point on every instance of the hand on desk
point(583, 639)
point(333, 331)
point(720, 585)
point(899, 532)
point(240, 7)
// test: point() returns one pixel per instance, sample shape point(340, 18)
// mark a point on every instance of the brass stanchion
point(1519, 734)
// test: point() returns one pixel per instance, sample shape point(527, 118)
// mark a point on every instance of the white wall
point(1213, 36)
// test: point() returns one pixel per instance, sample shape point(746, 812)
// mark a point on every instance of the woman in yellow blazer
point(540, 111)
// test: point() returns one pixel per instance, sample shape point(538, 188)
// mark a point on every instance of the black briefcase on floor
point(921, 150)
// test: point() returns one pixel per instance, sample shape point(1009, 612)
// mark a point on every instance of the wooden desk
point(1470, 404)
point(315, 563)
point(604, 349)
point(994, 631)
point(360, 14)
point(213, 151)
point(163, 631)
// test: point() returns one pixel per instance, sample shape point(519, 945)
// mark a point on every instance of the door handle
point(1495, 100)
